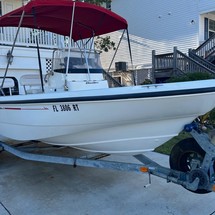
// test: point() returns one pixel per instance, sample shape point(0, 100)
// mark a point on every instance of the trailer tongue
point(200, 178)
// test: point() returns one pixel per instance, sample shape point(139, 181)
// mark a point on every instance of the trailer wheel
point(187, 155)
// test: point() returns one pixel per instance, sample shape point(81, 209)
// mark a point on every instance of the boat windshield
point(78, 62)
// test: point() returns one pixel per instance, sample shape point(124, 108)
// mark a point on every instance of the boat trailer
point(200, 179)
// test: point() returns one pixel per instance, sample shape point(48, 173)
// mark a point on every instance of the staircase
point(177, 63)
point(207, 50)
point(111, 80)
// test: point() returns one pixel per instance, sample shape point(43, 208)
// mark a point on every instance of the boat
point(74, 106)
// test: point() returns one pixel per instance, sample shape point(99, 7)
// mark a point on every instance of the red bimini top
point(56, 15)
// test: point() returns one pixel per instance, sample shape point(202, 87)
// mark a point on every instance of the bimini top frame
point(50, 15)
point(80, 20)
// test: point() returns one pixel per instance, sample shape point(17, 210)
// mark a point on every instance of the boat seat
point(8, 83)
point(31, 83)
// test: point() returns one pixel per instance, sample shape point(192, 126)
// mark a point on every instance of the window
point(211, 27)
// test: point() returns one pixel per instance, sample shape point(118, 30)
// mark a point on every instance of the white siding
point(141, 50)
point(206, 10)
point(158, 25)
point(7, 6)
point(206, 6)
point(161, 20)
point(201, 25)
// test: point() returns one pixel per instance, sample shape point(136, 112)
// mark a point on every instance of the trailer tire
point(183, 153)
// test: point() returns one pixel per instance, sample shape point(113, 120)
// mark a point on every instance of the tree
point(98, 2)
point(102, 43)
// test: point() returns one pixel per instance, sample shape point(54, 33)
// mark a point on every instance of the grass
point(167, 147)
point(209, 117)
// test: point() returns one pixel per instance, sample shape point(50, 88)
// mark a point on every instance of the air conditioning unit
point(121, 66)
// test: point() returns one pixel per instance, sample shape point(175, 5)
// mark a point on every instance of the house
point(25, 53)
point(25, 50)
point(153, 25)
point(161, 25)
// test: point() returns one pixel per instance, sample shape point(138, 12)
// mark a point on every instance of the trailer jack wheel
point(187, 156)
point(201, 174)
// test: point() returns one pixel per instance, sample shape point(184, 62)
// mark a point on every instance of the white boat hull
point(117, 120)
point(70, 104)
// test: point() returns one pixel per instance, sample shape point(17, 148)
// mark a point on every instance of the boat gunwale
point(126, 96)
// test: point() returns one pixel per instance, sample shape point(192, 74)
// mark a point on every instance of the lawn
point(167, 147)
point(208, 118)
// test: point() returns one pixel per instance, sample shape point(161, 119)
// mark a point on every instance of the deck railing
point(27, 37)
point(111, 80)
point(179, 63)
point(201, 60)
point(207, 48)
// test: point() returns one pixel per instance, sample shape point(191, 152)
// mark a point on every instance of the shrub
point(146, 81)
point(194, 76)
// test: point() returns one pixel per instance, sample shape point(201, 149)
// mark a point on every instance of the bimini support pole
point(38, 52)
point(11, 52)
point(116, 50)
point(129, 46)
point(87, 63)
point(84, 52)
point(70, 44)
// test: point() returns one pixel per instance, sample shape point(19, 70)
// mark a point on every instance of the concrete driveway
point(33, 188)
